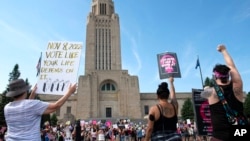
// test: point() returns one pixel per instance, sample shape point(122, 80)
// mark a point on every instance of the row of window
point(103, 49)
point(108, 111)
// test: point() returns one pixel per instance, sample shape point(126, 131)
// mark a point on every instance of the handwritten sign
point(59, 67)
point(202, 113)
point(168, 65)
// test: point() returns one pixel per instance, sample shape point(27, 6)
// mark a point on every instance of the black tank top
point(220, 123)
point(165, 123)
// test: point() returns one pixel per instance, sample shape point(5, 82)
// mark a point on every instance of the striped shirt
point(23, 119)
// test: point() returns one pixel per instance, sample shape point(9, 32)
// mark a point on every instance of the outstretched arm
point(228, 59)
point(172, 95)
point(53, 106)
point(235, 75)
point(33, 93)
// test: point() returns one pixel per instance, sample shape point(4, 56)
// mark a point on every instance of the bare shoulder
point(208, 92)
point(152, 109)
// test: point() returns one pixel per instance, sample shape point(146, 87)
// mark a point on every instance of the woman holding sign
point(23, 116)
point(162, 121)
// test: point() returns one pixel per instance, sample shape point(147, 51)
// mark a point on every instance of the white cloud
point(17, 38)
point(243, 13)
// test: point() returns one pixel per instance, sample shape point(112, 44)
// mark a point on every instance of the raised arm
point(33, 93)
point(228, 59)
point(172, 95)
point(53, 106)
point(235, 75)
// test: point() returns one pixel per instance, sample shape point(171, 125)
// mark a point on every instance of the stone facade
point(146, 100)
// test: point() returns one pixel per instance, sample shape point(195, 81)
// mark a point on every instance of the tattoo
point(207, 93)
point(237, 91)
point(151, 117)
point(167, 110)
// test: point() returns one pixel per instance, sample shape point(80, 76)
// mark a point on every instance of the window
point(102, 8)
point(68, 110)
point(108, 112)
point(108, 87)
point(146, 109)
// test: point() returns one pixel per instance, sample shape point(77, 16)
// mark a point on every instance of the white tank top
point(101, 137)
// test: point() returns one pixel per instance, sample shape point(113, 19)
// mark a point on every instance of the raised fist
point(221, 47)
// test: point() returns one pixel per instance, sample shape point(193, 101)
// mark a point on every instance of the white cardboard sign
point(59, 67)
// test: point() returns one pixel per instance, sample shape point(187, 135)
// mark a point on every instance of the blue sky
point(188, 28)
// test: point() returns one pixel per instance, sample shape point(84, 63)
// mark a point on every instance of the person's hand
point(72, 88)
point(171, 79)
point(34, 89)
point(221, 47)
point(33, 92)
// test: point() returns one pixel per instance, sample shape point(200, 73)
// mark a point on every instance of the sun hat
point(17, 87)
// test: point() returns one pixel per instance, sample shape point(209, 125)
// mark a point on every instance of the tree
point(247, 105)
point(4, 101)
point(187, 111)
point(208, 82)
point(15, 74)
point(53, 119)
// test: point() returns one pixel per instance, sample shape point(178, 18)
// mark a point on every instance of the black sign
point(202, 113)
point(168, 65)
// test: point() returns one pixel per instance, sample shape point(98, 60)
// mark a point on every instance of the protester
point(76, 134)
point(228, 79)
point(162, 121)
point(67, 131)
point(101, 136)
point(23, 116)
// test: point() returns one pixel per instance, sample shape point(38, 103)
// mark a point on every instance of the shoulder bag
point(233, 116)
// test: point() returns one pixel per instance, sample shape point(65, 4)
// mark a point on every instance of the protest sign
point(168, 65)
point(202, 113)
point(59, 67)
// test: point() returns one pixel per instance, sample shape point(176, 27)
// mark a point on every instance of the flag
point(197, 63)
point(38, 66)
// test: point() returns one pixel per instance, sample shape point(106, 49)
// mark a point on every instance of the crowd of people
point(94, 131)
point(120, 131)
point(98, 131)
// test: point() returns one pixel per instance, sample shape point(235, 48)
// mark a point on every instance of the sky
point(189, 28)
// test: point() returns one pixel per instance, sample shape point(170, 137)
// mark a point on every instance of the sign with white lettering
point(59, 67)
point(202, 113)
point(168, 65)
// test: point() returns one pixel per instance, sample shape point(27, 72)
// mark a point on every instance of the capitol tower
point(106, 90)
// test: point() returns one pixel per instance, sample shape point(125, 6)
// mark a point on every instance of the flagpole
point(38, 66)
point(201, 74)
